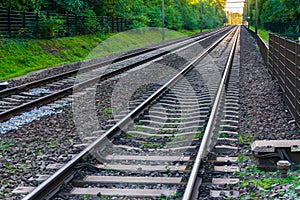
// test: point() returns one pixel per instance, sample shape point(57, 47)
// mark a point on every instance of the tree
point(178, 13)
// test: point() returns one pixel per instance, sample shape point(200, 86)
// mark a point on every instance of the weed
point(167, 169)
point(245, 139)
point(241, 158)
point(11, 168)
point(223, 135)
point(39, 54)
point(198, 135)
point(85, 196)
point(257, 48)
point(52, 144)
point(247, 53)
point(128, 135)
point(138, 123)
point(138, 128)
point(150, 144)
point(108, 170)
point(174, 195)
point(107, 112)
point(4, 146)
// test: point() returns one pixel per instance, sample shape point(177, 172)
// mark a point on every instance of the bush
point(50, 26)
point(90, 23)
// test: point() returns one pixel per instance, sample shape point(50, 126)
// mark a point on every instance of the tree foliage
point(276, 10)
point(178, 13)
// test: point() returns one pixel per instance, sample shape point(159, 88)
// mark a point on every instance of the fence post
point(37, 23)
point(112, 24)
point(76, 27)
point(125, 24)
point(68, 28)
point(82, 23)
point(102, 23)
point(284, 63)
point(48, 27)
point(9, 21)
point(118, 25)
point(297, 86)
point(24, 23)
point(122, 27)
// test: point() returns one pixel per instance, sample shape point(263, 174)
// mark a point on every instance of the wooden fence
point(284, 65)
point(21, 24)
point(282, 56)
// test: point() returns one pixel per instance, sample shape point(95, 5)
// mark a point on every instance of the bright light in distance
point(234, 6)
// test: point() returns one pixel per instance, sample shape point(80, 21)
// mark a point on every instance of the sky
point(235, 6)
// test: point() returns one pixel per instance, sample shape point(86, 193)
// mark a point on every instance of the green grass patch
point(264, 34)
point(150, 145)
point(129, 135)
point(245, 139)
point(192, 32)
point(19, 57)
point(107, 112)
point(264, 182)
point(198, 135)
point(266, 186)
point(5, 145)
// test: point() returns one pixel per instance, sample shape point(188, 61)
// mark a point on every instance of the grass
point(245, 139)
point(150, 145)
point(266, 186)
point(198, 135)
point(191, 32)
point(262, 33)
point(19, 57)
point(264, 182)
point(5, 146)
point(107, 112)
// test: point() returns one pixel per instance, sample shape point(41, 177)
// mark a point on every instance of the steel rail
point(26, 86)
point(52, 184)
point(211, 122)
point(59, 94)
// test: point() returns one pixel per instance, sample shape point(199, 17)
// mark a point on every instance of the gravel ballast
point(263, 116)
point(27, 151)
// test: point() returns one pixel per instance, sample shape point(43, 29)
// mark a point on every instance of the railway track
point(22, 98)
point(156, 150)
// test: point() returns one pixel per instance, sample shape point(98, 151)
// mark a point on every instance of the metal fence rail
point(284, 65)
point(21, 24)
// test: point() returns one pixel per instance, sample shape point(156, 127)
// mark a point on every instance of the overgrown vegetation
point(262, 33)
point(276, 11)
point(260, 184)
point(245, 139)
point(179, 14)
point(19, 57)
